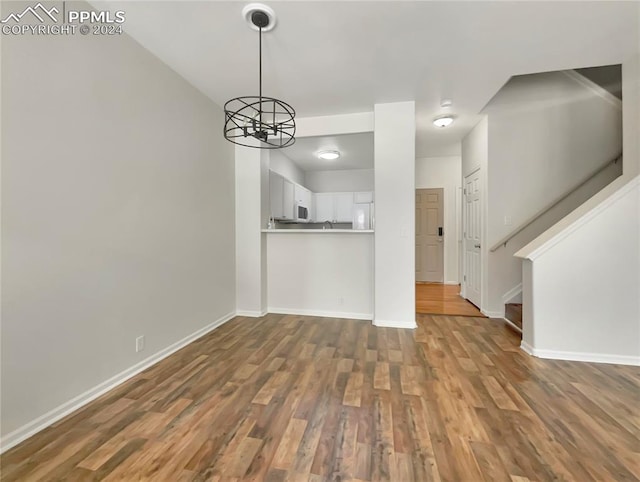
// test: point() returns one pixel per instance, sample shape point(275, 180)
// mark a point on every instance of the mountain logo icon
point(39, 11)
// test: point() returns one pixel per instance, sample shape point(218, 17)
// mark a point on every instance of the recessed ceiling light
point(329, 155)
point(443, 121)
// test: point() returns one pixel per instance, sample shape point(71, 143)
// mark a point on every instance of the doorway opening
point(433, 296)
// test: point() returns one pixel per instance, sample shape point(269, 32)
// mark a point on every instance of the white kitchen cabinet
point(343, 207)
point(302, 195)
point(363, 197)
point(336, 207)
point(281, 194)
point(276, 186)
point(287, 200)
point(323, 207)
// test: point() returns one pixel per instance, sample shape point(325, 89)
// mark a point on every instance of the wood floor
point(291, 398)
point(441, 299)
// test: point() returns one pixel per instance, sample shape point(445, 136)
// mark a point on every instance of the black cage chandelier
point(269, 120)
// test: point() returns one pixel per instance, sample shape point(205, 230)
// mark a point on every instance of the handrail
point(524, 225)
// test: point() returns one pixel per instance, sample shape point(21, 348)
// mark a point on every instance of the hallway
point(441, 299)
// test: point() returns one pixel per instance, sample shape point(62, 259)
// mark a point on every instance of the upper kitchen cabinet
point(323, 207)
point(287, 200)
point(302, 196)
point(336, 207)
point(343, 207)
point(281, 192)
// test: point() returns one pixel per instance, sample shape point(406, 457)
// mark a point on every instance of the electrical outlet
point(341, 301)
point(507, 220)
point(139, 343)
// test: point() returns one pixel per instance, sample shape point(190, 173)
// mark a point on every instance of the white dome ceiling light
point(329, 155)
point(443, 121)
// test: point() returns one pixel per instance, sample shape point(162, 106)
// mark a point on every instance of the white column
point(250, 257)
point(394, 135)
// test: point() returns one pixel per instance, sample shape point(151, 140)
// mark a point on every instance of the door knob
point(476, 246)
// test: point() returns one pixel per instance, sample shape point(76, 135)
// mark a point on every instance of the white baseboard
point(525, 347)
point(409, 325)
point(493, 314)
point(581, 357)
point(322, 314)
point(42, 422)
point(451, 283)
point(251, 314)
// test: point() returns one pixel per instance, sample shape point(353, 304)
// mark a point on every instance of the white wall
point(475, 148)
point(446, 173)
point(394, 141)
point(118, 216)
point(321, 274)
point(547, 133)
point(280, 163)
point(585, 286)
point(334, 124)
point(340, 180)
point(250, 219)
point(612, 285)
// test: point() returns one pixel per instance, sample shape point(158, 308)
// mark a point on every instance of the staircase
point(513, 313)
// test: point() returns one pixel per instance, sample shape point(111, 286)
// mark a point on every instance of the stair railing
point(542, 212)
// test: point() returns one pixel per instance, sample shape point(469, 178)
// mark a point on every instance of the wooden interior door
point(471, 238)
point(430, 235)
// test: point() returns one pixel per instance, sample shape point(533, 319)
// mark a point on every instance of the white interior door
point(471, 238)
point(429, 235)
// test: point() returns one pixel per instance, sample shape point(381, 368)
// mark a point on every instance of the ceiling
point(328, 58)
point(356, 152)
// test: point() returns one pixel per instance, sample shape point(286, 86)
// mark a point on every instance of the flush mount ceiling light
point(267, 119)
point(443, 121)
point(329, 155)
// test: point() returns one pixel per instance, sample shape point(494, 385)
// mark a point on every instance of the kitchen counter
point(318, 231)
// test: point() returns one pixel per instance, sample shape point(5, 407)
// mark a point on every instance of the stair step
point(513, 313)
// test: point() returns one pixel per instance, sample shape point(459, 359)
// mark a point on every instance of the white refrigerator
point(363, 216)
